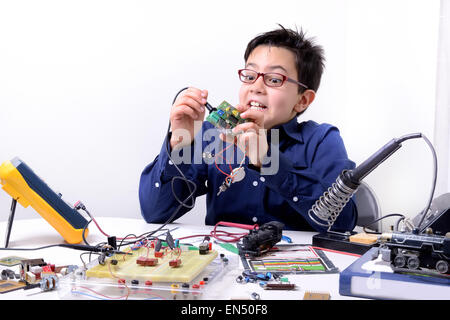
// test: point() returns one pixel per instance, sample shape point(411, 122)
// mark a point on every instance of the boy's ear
point(305, 99)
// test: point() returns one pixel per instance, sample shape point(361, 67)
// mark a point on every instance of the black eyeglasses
point(271, 79)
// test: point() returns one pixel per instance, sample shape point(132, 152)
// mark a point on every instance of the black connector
point(210, 108)
point(169, 240)
point(112, 241)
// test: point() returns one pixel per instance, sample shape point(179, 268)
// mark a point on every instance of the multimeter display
point(21, 183)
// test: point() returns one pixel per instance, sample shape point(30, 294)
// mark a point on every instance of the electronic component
point(279, 286)
point(261, 240)
point(223, 187)
point(10, 261)
point(25, 187)
point(48, 282)
point(225, 117)
point(236, 175)
point(251, 276)
point(205, 246)
point(9, 274)
point(143, 261)
point(175, 263)
point(11, 285)
point(310, 295)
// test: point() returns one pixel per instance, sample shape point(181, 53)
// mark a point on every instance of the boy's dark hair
point(309, 57)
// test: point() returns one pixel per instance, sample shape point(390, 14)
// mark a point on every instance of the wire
point(386, 216)
point(336, 251)
point(190, 184)
point(182, 203)
point(100, 296)
point(83, 234)
point(433, 186)
point(124, 283)
point(230, 236)
point(31, 249)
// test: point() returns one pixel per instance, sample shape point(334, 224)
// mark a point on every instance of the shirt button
point(262, 179)
point(255, 183)
point(157, 184)
point(170, 162)
point(255, 219)
point(295, 199)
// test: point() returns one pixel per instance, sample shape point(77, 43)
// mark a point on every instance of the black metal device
point(416, 252)
point(261, 240)
point(438, 217)
point(327, 208)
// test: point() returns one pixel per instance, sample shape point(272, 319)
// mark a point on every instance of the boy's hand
point(251, 137)
point(188, 108)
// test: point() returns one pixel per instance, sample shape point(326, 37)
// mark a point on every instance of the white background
point(86, 86)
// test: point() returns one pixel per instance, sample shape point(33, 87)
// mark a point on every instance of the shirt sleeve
point(302, 178)
point(162, 188)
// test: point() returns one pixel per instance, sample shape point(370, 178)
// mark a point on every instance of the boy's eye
point(273, 80)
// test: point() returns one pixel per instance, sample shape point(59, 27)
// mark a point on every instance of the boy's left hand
point(251, 135)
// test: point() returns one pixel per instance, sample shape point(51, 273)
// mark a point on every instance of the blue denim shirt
point(308, 156)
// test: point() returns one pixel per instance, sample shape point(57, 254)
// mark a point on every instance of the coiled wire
point(328, 207)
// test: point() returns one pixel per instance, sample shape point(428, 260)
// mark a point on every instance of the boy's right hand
point(188, 108)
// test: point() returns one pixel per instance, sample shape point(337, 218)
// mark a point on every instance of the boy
point(286, 166)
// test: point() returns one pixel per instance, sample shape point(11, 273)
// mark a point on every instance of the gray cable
point(433, 186)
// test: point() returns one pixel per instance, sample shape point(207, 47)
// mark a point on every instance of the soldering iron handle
point(374, 161)
point(361, 171)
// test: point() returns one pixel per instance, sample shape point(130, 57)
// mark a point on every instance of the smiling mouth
point(257, 106)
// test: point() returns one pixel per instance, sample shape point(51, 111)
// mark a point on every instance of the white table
point(37, 232)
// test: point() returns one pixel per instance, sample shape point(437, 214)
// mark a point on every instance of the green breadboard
point(225, 118)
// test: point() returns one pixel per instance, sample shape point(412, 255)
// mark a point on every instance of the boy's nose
point(258, 86)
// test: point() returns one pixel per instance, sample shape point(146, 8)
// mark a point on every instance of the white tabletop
point(37, 232)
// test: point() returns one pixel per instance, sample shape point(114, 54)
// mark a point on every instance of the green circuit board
point(225, 118)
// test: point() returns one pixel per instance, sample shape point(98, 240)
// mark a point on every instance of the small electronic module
point(225, 117)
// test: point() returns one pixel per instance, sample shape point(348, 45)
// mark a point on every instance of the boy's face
point(280, 104)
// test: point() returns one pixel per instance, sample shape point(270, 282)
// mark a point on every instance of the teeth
point(256, 104)
point(256, 108)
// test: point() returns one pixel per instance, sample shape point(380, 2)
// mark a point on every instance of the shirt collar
point(292, 129)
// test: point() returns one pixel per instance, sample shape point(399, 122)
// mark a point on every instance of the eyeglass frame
point(262, 74)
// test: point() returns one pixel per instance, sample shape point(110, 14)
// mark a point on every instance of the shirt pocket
point(299, 164)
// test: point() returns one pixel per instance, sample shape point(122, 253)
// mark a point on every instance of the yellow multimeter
point(25, 187)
